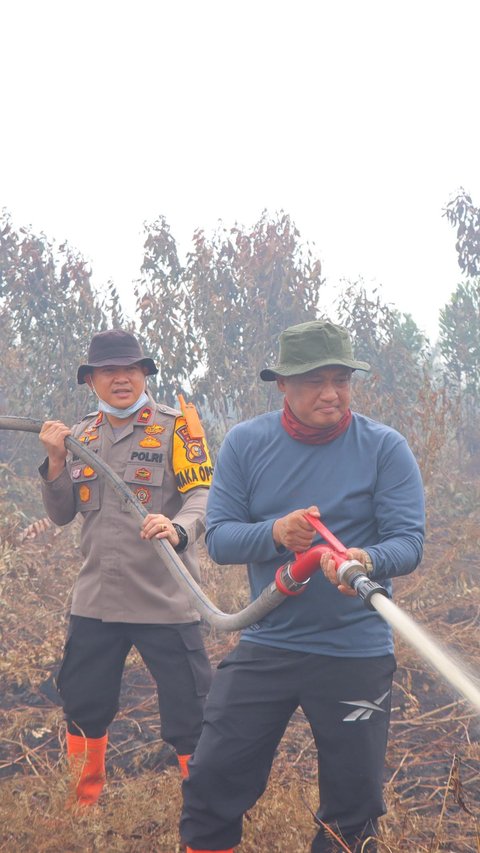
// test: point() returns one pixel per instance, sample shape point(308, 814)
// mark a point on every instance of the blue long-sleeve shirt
point(368, 488)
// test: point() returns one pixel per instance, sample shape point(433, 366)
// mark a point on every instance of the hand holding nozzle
point(334, 558)
point(351, 575)
point(294, 531)
point(342, 566)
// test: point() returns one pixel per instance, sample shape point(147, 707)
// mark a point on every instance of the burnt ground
point(433, 762)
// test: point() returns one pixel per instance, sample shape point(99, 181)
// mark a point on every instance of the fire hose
point(291, 579)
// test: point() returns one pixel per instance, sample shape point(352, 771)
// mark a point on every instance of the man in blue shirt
point(322, 651)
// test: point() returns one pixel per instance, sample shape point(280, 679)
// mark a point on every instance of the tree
point(222, 311)
point(460, 336)
point(402, 389)
point(460, 347)
point(390, 341)
point(459, 325)
point(48, 313)
point(165, 313)
point(465, 217)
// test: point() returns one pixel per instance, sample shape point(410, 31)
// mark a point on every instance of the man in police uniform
point(124, 596)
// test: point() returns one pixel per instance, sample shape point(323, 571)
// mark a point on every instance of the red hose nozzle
point(292, 578)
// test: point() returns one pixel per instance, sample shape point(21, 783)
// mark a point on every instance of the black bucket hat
point(307, 346)
point(114, 347)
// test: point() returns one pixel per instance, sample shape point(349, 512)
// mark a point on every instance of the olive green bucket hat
point(318, 343)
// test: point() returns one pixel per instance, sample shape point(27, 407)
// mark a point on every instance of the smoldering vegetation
point(212, 323)
point(433, 766)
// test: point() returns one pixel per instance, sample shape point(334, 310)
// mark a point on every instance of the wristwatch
point(182, 536)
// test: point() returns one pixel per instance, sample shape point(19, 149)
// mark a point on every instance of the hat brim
point(115, 362)
point(269, 374)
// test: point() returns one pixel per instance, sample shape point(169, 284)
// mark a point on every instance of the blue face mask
point(121, 413)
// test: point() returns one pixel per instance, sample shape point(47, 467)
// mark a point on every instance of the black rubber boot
point(353, 838)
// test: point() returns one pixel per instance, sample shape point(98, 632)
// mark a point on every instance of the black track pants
point(90, 676)
point(254, 693)
point(357, 839)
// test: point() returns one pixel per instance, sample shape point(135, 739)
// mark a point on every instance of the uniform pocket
point(86, 487)
point(145, 480)
point(197, 657)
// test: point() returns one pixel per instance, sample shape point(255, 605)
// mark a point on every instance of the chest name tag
point(146, 456)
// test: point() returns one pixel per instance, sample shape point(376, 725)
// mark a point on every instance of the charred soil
point(433, 765)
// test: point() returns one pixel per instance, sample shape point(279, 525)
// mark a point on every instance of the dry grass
point(433, 763)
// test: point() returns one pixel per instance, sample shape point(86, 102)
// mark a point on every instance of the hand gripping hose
point(269, 598)
point(290, 579)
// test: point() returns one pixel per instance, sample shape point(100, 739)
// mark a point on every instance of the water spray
point(352, 574)
point(291, 579)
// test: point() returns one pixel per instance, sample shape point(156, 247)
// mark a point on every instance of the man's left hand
point(159, 527)
point(329, 568)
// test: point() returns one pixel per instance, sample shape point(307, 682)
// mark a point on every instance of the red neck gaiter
point(313, 435)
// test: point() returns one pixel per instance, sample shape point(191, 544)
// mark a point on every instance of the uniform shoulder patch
point(192, 464)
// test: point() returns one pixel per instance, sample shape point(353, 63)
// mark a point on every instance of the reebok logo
point(364, 708)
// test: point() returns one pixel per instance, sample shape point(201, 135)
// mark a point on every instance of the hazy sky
point(359, 118)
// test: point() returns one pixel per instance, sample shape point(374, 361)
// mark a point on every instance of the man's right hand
point(293, 531)
point(53, 435)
